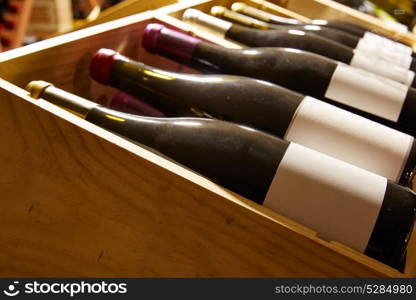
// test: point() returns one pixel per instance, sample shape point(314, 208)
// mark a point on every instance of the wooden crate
point(80, 201)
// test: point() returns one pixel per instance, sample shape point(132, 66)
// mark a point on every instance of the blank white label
point(379, 41)
point(384, 51)
point(339, 201)
point(351, 138)
point(366, 91)
point(396, 26)
point(382, 67)
point(403, 61)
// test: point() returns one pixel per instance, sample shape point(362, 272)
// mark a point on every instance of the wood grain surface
point(80, 201)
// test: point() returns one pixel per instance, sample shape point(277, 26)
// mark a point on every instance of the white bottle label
point(396, 26)
point(339, 201)
point(383, 53)
point(381, 67)
point(378, 46)
point(351, 138)
point(378, 40)
point(366, 91)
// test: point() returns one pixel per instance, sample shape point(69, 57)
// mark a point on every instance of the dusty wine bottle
point(298, 39)
point(369, 44)
point(373, 97)
point(377, 214)
point(268, 107)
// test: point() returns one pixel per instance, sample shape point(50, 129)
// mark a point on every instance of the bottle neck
point(235, 17)
point(209, 23)
point(263, 15)
point(218, 56)
point(156, 87)
point(70, 102)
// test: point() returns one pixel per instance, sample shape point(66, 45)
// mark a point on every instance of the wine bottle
point(368, 42)
point(373, 97)
point(298, 39)
point(377, 214)
point(273, 109)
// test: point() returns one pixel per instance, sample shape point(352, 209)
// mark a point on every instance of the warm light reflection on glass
point(312, 27)
point(158, 75)
point(264, 82)
point(212, 78)
point(320, 22)
point(293, 50)
point(247, 128)
point(296, 32)
point(251, 52)
point(114, 118)
point(187, 123)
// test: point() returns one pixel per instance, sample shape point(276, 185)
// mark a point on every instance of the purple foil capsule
point(129, 104)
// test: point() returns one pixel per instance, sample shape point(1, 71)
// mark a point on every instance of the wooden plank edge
point(74, 36)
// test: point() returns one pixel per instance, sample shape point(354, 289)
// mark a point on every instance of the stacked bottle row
point(8, 11)
point(263, 124)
